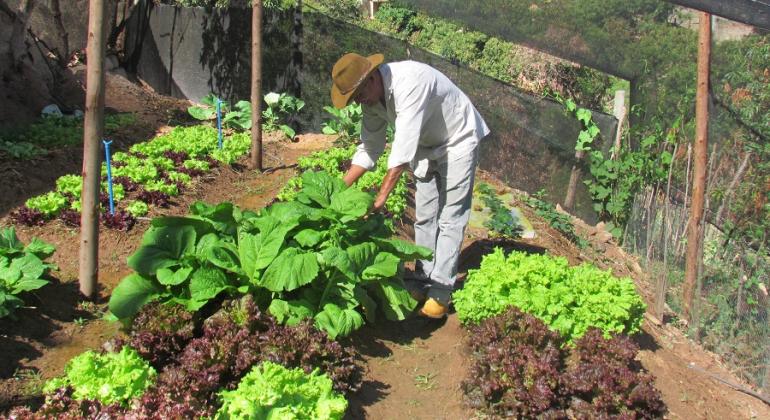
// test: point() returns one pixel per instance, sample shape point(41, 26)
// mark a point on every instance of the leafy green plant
point(345, 122)
point(279, 107)
point(555, 219)
point(207, 110)
point(335, 161)
point(22, 268)
point(21, 150)
point(501, 222)
point(49, 204)
point(270, 390)
point(33, 140)
point(110, 378)
point(316, 255)
point(568, 299)
point(589, 131)
point(70, 185)
point(239, 117)
point(520, 368)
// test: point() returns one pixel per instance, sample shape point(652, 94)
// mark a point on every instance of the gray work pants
point(442, 209)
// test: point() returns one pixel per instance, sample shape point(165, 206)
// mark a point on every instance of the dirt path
point(415, 368)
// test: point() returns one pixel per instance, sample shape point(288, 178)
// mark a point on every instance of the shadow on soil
point(375, 341)
point(470, 258)
point(645, 341)
point(35, 324)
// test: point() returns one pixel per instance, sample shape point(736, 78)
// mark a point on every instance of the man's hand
point(379, 204)
point(353, 174)
point(388, 183)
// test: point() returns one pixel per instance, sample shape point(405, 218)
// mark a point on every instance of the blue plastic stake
point(109, 174)
point(219, 122)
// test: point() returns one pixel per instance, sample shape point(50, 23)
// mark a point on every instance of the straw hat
point(348, 74)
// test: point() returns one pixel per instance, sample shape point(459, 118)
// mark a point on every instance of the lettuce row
point(145, 164)
point(569, 299)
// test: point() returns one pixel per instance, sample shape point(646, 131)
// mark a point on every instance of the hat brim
point(340, 100)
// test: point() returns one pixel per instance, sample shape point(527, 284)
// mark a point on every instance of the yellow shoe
point(433, 309)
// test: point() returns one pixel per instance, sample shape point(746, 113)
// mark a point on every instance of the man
point(437, 132)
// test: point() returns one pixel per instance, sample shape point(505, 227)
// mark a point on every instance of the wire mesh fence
point(731, 304)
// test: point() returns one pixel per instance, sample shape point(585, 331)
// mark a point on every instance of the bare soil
point(414, 368)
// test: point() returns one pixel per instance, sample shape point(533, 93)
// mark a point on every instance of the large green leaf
point(290, 312)
point(338, 322)
point(351, 203)
point(337, 258)
point(9, 242)
point(29, 265)
point(222, 216)
point(226, 257)
point(366, 263)
point(169, 277)
point(309, 237)
point(40, 248)
point(290, 211)
point(256, 252)
point(8, 273)
point(26, 284)
point(290, 270)
point(201, 113)
point(367, 303)
point(132, 293)
point(395, 300)
point(204, 245)
point(405, 250)
point(162, 248)
point(207, 282)
point(201, 226)
point(385, 265)
point(319, 187)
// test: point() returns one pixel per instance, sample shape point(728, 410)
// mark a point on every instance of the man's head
point(354, 77)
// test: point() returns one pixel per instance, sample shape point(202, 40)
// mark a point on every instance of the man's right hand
point(353, 174)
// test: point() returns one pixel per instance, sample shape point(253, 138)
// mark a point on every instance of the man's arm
point(353, 174)
point(388, 183)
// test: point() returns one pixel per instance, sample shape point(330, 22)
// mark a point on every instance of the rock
point(120, 72)
point(51, 110)
point(111, 62)
point(603, 236)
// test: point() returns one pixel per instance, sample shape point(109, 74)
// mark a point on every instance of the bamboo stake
point(662, 283)
point(93, 129)
point(699, 170)
point(574, 177)
point(731, 188)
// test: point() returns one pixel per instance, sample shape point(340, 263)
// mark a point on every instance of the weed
point(425, 381)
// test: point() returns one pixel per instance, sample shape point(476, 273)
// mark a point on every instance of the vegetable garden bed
point(210, 349)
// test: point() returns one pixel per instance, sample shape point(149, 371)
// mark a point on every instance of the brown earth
point(414, 368)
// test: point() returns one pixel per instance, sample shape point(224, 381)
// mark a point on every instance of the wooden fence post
point(256, 86)
point(699, 167)
point(93, 129)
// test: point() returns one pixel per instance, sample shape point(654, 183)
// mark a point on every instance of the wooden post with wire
point(93, 129)
point(695, 224)
point(256, 86)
